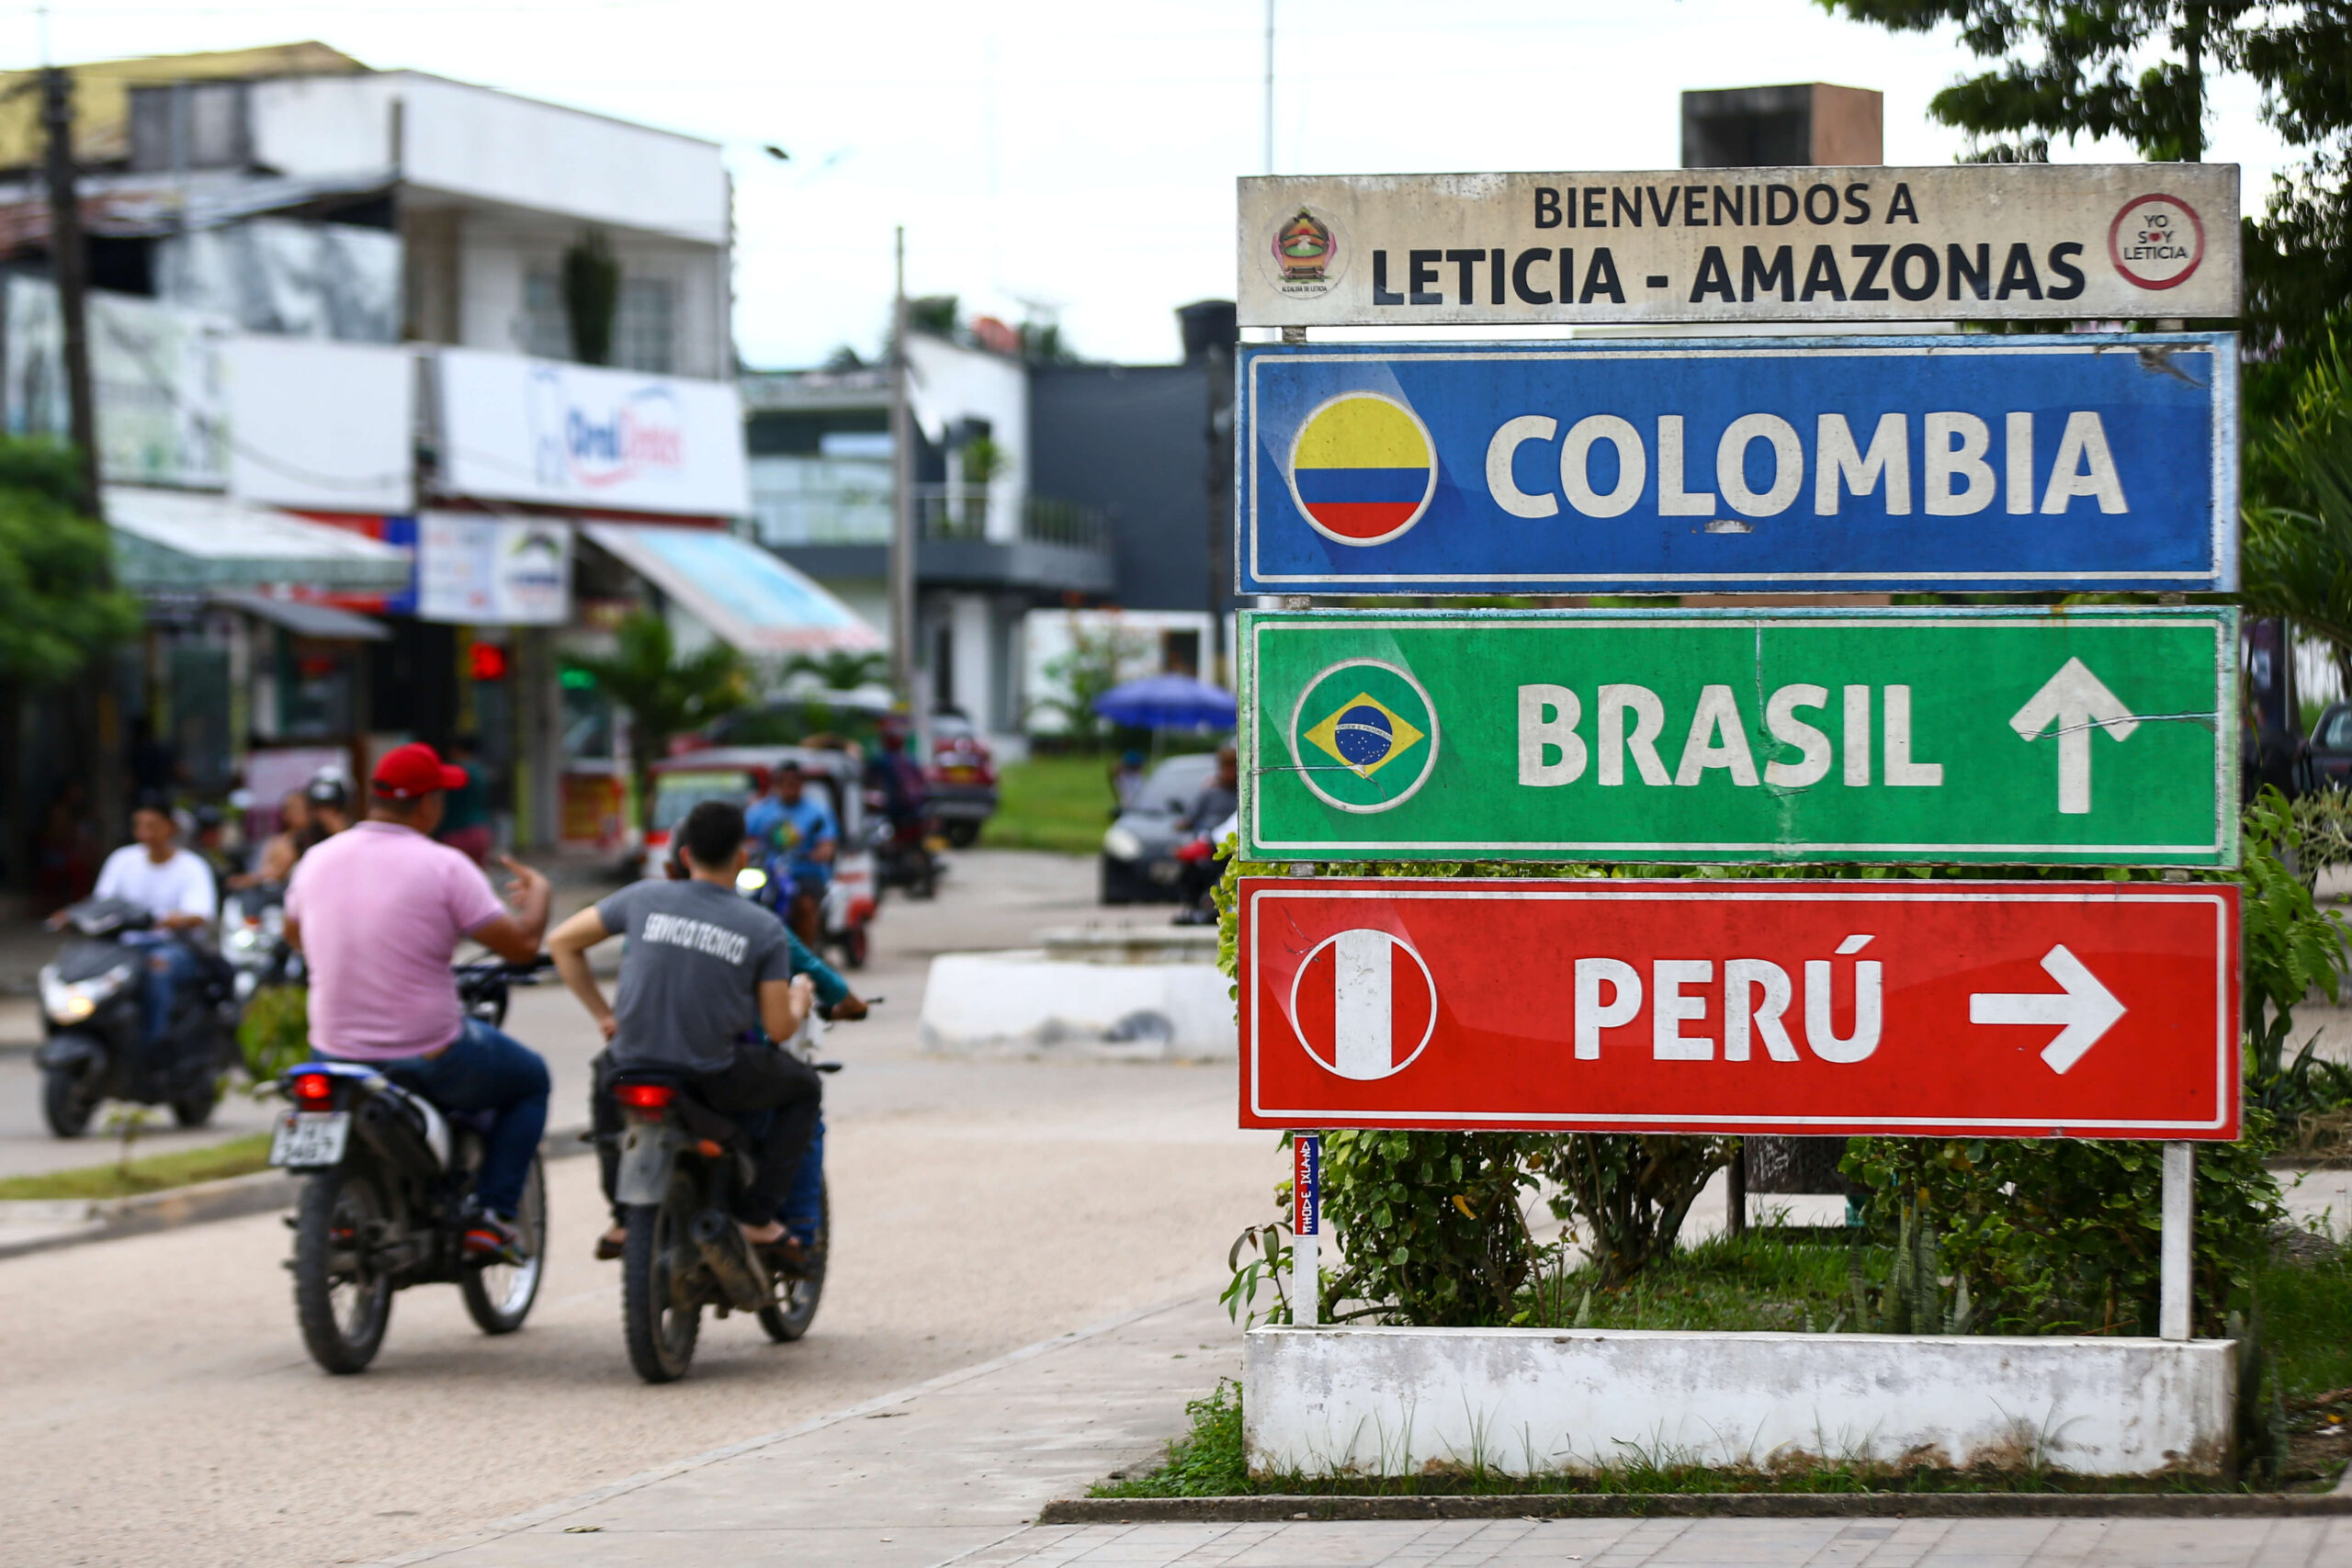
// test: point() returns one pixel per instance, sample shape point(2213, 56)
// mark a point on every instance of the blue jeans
point(487, 1070)
point(803, 1206)
point(168, 964)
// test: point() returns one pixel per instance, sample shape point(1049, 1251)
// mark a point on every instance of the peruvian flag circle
point(1364, 1004)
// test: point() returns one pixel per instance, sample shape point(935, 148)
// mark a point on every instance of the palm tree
point(841, 670)
point(2297, 559)
point(665, 695)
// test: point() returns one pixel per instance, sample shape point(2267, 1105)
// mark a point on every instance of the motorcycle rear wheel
point(65, 1102)
point(343, 1307)
point(660, 1333)
point(789, 1321)
point(499, 1295)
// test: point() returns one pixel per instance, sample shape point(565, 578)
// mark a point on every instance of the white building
point(351, 458)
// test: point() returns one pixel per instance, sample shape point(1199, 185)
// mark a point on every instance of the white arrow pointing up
point(2088, 1008)
point(2077, 701)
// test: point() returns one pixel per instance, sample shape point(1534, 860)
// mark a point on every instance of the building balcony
point(965, 537)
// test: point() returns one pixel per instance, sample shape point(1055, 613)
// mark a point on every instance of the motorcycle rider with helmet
point(378, 911)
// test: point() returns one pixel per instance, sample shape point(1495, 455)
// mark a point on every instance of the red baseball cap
point(406, 772)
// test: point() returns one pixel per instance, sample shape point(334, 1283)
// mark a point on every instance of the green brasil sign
point(2104, 735)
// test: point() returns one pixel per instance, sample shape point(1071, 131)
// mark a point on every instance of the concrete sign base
point(1530, 1401)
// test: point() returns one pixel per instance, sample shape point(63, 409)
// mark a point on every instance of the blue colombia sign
point(1956, 465)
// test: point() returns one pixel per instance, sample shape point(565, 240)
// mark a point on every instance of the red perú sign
point(1967, 1008)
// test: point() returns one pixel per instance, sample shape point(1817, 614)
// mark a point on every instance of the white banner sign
point(155, 374)
point(489, 571)
point(321, 426)
point(1968, 241)
point(519, 429)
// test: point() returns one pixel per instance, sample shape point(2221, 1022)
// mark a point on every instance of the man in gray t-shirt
point(705, 984)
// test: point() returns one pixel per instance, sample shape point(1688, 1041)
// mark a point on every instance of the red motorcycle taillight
point(313, 1091)
point(644, 1096)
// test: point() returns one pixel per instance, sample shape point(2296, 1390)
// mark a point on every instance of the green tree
point(2142, 70)
point(2296, 556)
point(57, 606)
point(591, 297)
point(666, 695)
point(1091, 666)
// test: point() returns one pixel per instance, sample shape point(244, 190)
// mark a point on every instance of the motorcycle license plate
point(310, 1138)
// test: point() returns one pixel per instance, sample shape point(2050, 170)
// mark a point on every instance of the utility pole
point(902, 495)
point(69, 265)
point(1270, 86)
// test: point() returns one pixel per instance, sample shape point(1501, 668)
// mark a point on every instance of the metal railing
point(862, 516)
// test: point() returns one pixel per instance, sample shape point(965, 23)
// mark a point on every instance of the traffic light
point(486, 661)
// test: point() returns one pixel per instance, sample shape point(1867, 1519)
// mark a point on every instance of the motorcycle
point(252, 939)
point(384, 1203)
point(843, 914)
point(94, 1019)
point(906, 853)
point(681, 1163)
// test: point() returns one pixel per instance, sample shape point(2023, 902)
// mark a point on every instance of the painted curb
point(1700, 1504)
point(232, 1198)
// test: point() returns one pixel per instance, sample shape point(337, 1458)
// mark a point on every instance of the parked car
point(1140, 863)
point(961, 778)
point(2330, 748)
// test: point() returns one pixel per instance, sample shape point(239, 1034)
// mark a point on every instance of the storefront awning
point(325, 622)
point(166, 539)
point(747, 597)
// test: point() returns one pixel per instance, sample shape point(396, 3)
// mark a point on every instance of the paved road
point(161, 1409)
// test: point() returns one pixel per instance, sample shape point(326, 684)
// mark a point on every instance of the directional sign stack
point(1985, 734)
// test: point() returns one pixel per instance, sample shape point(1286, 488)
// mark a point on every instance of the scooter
point(384, 1203)
point(94, 1017)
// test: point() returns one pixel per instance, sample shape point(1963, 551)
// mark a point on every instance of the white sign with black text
point(1970, 242)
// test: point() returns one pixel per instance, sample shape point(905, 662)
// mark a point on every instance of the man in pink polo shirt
point(377, 911)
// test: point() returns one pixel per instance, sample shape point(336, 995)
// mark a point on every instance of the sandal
point(609, 1251)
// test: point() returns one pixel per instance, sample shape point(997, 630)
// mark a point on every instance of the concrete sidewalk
point(924, 1475)
point(1732, 1543)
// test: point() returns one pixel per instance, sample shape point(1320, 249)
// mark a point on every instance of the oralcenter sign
point(2014, 736)
point(1970, 242)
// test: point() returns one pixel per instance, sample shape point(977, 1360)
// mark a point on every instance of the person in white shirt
point(174, 887)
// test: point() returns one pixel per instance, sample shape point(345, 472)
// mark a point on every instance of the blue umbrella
point(1167, 701)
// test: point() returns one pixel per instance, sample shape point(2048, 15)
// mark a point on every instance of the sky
point(1073, 161)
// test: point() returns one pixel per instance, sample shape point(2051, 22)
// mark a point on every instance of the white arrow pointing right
point(2088, 1008)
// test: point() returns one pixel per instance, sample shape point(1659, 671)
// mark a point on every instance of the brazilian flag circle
point(1364, 736)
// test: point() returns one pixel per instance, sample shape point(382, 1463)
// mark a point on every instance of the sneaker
point(490, 1239)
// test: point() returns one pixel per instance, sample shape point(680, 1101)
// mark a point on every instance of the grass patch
point(182, 1167)
point(1759, 1281)
point(2307, 1324)
point(1060, 803)
point(1205, 1462)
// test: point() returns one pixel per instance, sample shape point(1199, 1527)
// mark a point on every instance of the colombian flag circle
point(1362, 469)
